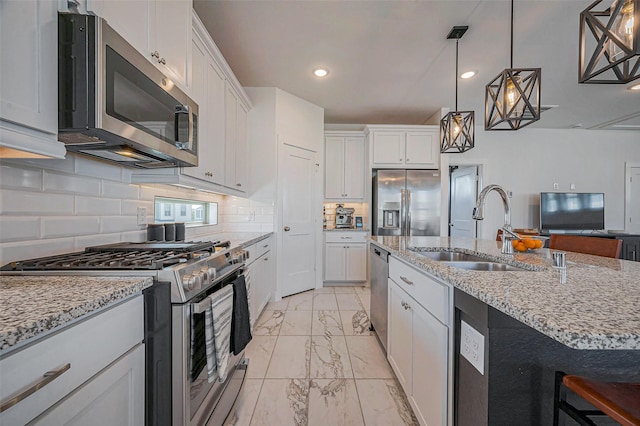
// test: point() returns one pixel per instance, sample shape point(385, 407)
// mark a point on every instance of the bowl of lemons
point(529, 243)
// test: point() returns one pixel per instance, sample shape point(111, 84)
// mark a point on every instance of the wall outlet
point(472, 346)
point(572, 187)
point(555, 185)
point(142, 215)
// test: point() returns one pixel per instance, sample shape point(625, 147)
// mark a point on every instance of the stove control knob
point(212, 274)
point(186, 284)
point(196, 281)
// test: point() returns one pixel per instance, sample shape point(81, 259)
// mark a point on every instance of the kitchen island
point(530, 325)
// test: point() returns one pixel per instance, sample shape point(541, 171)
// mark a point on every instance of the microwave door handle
point(181, 111)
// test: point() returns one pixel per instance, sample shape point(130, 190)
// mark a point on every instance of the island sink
point(485, 266)
point(450, 256)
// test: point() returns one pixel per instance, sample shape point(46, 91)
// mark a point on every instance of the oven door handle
point(204, 304)
point(201, 306)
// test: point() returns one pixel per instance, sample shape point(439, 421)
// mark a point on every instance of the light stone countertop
point(597, 308)
point(346, 230)
point(31, 306)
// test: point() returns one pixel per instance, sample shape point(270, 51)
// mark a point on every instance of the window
point(187, 211)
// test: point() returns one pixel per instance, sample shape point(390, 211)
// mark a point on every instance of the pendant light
point(457, 126)
point(512, 99)
point(615, 56)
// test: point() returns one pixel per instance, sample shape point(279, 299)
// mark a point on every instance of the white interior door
point(298, 182)
point(632, 211)
point(463, 193)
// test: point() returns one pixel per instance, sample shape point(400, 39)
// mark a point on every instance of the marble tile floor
point(313, 361)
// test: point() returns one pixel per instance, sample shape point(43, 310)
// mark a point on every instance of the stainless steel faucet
point(478, 214)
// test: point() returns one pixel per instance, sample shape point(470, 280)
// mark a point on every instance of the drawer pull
point(405, 305)
point(406, 280)
point(265, 246)
point(47, 378)
point(346, 238)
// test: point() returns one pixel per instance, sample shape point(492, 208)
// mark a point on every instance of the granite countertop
point(346, 229)
point(34, 305)
point(598, 307)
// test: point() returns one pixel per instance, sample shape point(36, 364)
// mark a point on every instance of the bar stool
point(599, 246)
point(618, 401)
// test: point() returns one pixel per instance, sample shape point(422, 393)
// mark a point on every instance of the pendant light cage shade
point(457, 129)
point(512, 99)
point(609, 49)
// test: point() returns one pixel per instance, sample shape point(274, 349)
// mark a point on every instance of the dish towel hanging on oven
point(218, 332)
point(240, 326)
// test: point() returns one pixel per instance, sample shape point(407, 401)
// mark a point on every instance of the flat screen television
point(571, 211)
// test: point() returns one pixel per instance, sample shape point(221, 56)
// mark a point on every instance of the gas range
point(190, 267)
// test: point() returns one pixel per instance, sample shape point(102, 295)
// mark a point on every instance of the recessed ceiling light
point(320, 72)
point(467, 74)
point(635, 87)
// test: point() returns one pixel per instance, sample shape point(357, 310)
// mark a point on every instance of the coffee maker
point(344, 216)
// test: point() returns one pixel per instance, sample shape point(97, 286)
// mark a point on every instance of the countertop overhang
point(598, 307)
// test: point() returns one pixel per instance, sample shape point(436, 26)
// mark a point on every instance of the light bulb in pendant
point(456, 126)
point(622, 28)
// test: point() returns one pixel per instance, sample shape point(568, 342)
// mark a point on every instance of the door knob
point(287, 229)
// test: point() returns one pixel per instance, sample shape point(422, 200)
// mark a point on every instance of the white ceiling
point(390, 61)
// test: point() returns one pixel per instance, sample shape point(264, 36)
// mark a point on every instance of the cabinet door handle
point(266, 259)
point(406, 280)
point(155, 54)
point(405, 305)
point(162, 61)
point(47, 378)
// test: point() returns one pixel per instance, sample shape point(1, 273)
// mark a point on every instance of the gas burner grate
point(121, 256)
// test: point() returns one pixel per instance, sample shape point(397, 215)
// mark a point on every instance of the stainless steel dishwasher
point(379, 261)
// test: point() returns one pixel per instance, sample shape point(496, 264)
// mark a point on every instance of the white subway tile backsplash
point(243, 227)
point(130, 207)
point(148, 193)
point(134, 236)
point(88, 167)
point(110, 224)
point(20, 228)
point(35, 203)
point(55, 182)
point(30, 249)
point(93, 206)
point(69, 226)
point(80, 243)
point(119, 190)
point(20, 178)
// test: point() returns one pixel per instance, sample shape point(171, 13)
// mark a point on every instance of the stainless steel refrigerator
point(406, 202)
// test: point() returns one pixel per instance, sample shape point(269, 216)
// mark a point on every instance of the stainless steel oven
point(194, 397)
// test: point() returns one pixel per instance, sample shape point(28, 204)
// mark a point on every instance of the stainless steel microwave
point(115, 105)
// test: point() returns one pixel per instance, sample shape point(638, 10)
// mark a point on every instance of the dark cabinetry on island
point(506, 376)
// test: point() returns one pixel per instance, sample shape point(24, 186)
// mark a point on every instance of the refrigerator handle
point(408, 209)
point(402, 213)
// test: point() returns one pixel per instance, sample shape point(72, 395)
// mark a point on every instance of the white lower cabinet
point(345, 256)
point(100, 372)
point(113, 397)
point(260, 277)
point(419, 349)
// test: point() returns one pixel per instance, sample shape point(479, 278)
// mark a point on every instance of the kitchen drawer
point(431, 294)
point(263, 246)
point(345, 237)
point(87, 347)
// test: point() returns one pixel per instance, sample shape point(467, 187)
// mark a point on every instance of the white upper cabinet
point(345, 159)
point(236, 142)
point(222, 123)
point(159, 29)
point(207, 87)
point(414, 147)
point(29, 79)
